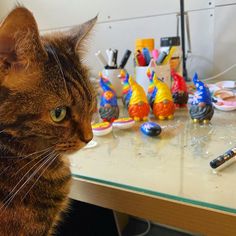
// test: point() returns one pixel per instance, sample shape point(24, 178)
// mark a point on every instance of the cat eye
point(58, 114)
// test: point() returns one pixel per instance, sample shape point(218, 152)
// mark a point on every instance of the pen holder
point(162, 71)
point(141, 77)
point(113, 76)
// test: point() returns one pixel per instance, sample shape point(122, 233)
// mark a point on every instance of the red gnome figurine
point(179, 90)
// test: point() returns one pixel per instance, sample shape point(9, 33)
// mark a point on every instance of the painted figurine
point(152, 89)
point(164, 106)
point(109, 110)
point(179, 90)
point(126, 92)
point(201, 109)
point(138, 107)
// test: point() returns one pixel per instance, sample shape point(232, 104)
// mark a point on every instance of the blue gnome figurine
point(201, 109)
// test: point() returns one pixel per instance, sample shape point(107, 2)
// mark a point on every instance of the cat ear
point(19, 38)
point(79, 34)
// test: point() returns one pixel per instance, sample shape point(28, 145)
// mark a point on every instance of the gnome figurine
point(109, 110)
point(138, 107)
point(179, 90)
point(163, 107)
point(201, 109)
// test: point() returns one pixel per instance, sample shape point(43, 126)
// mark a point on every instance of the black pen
point(115, 55)
point(223, 158)
point(125, 59)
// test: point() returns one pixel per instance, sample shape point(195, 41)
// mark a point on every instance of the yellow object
point(137, 118)
point(144, 43)
point(168, 57)
point(100, 74)
point(122, 74)
point(148, 72)
point(124, 119)
point(163, 91)
point(138, 93)
point(102, 125)
point(174, 63)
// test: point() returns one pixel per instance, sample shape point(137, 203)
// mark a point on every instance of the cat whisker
point(40, 176)
point(27, 156)
point(50, 160)
point(5, 169)
point(30, 162)
point(19, 182)
point(12, 195)
point(44, 151)
point(19, 158)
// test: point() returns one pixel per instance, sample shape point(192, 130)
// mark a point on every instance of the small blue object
point(150, 129)
point(146, 55)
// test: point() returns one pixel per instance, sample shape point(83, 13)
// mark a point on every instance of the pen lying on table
point(223, 158)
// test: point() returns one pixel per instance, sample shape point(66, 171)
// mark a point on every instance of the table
point(166, 179)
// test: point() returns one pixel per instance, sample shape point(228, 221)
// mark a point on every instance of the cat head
point(46, 98)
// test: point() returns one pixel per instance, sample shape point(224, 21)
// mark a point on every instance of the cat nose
point(86, 139)
point(86, 135)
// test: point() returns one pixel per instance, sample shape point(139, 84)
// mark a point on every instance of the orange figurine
point(138, 107)
point(164, 106)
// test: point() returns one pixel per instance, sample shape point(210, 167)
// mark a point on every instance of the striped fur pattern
point(37, 75)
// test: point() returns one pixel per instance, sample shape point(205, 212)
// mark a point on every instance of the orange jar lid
point(144, 43)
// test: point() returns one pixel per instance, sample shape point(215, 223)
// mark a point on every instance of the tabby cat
point(46, 106)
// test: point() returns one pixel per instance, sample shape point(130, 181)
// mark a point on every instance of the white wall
point(225, 39)
point(122, 21)
point(5, 7)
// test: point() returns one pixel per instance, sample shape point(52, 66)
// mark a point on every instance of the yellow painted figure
point(163, 107)
point(138, 104)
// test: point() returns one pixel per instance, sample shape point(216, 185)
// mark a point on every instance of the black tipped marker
point(223, 158)
point(125, 59)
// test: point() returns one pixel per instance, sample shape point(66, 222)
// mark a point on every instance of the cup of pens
point(146, 56)
point(111, 70)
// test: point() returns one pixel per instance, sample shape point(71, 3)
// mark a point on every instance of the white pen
point(110, 56)
point(101, 59)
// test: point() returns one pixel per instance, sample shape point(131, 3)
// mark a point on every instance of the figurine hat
point(126, 80)
point(177, 76)
point(199, 84)
point(106, 84)
point(203, 91)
